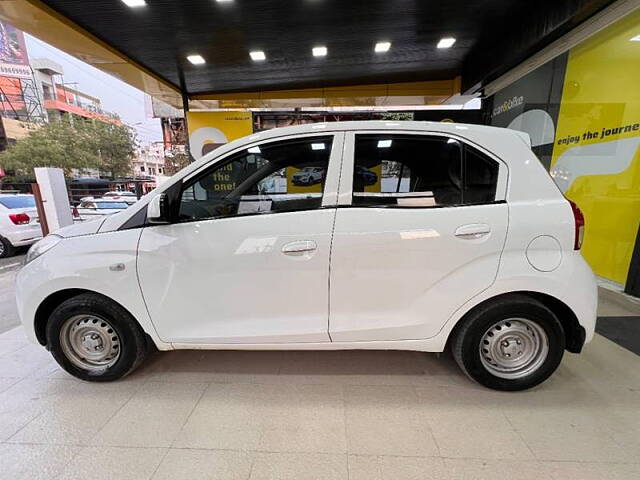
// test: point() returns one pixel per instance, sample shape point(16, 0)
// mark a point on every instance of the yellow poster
point(596, 154)
point(209, 130)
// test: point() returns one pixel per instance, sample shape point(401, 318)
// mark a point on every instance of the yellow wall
point(602, 91)
point(209, 130)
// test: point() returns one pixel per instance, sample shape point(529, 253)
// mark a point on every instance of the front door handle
point(473, 231)
point(300, 246)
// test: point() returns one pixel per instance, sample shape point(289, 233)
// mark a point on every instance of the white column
point(53, 189)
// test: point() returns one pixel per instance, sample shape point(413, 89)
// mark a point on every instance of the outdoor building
point(150, 161)
point(60, 99)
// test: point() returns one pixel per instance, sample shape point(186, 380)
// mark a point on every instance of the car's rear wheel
point(6, 249)
point(512, 343)
point(95, 339)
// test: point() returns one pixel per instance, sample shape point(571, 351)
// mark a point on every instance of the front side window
point(274, 177)
point(420, 171)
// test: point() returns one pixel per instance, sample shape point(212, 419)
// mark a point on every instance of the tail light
point(19, 218)
point(578, 219)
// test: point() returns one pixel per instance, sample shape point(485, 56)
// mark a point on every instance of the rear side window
point(420, 171)
point(18, 202)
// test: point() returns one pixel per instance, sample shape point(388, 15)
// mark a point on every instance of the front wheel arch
point(49, 304)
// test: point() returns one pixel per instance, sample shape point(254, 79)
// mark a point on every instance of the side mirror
point(157, 210)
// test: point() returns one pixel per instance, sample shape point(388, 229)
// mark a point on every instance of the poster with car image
point(310, 178)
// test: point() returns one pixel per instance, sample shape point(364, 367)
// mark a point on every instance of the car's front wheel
point(95, 339)
point(512, 343)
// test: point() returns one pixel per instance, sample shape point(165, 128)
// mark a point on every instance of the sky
point(116, 96)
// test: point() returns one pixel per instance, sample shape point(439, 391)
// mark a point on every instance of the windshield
point(111, 205)
point(26, 201)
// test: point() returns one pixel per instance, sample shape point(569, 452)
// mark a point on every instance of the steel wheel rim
point(90, 342)
point(1, 249)
point(514, 348)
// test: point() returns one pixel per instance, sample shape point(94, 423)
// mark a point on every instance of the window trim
point(332, 179)
point(345, 191)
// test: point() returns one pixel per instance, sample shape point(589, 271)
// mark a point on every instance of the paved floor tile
point(113, 463)
point(78, 418)
point(384, 420)
point(34, 462)
point(287, 418)
point(593, 471)
point(468, 423)
point(396, 468)
point(152, 417)
point(299, 466)
point(184, 464)
point(473, 469)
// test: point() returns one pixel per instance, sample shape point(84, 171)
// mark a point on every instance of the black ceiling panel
point(492, 35)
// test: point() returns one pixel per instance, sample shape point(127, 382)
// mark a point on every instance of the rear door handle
point(300, 246)
point(473, 231)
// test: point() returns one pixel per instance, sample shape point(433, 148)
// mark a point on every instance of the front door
point(419, 231)
point(248, 261)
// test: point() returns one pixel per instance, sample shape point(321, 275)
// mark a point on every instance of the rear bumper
point(578, 339)
point(24, 235)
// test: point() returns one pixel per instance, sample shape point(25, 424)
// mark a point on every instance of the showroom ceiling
point(491, 37)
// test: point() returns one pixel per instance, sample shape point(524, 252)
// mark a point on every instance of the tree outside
point(73, 144)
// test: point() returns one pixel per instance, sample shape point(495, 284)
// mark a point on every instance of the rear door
point(419, 231)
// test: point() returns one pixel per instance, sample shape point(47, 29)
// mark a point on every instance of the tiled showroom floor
point(321, 415)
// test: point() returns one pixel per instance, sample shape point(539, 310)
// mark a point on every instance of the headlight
point(42, 246)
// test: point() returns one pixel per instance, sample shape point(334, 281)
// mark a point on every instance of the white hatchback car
point(19, 224)
point(461, 241)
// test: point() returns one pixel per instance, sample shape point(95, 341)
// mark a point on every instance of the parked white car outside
point(128, 197)
point(98, 207)
point(459, 239)
point(19, 223)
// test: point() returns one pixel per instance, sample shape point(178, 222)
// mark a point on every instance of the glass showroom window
point(420, 171)
point(281, 176)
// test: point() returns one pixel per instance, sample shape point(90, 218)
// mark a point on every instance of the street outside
point(8, 269)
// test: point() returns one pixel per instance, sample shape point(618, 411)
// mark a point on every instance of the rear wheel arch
point(573, 331)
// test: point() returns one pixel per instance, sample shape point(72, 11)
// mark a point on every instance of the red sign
point(14, 61)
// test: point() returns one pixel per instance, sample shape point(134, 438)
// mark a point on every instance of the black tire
point(6, 249)
point(132, 341)
point(469, 333)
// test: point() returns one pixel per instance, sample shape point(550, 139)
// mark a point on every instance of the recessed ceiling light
point(446, 42)
point(382, 47)
point(257, 55)
point(134, 3)
point(319, 51)
point(317, 146)
point(384, 143)
point(224, 1)
point(635, 39)
point(253, 150)
point(196, 59)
